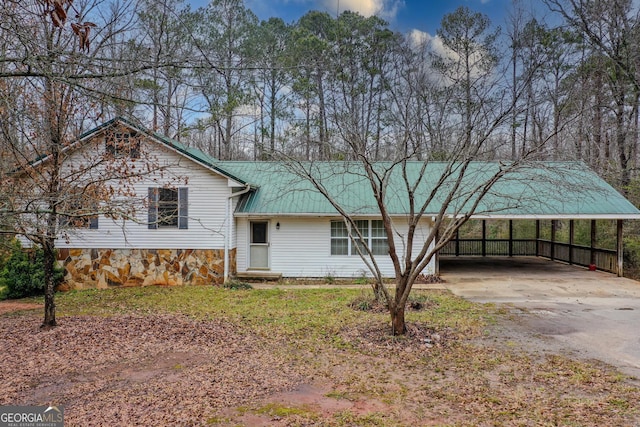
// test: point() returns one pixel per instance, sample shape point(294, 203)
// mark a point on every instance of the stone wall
point(104, 268)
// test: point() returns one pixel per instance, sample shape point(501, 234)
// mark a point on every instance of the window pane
point(167, 207)
point(339, 238)
point(379, 246)
point(338, 229)
point(123, 144)
point(363, 226)
point(377, 229)
point(339, 246)
point(258, 232)
point(363, 247)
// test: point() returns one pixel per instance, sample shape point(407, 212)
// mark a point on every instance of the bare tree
point(611, 29)
point(55, 71)
point(223, 37)
point(165, 37)
point(421, 203)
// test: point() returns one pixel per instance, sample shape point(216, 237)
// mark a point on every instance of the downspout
point(227, 237)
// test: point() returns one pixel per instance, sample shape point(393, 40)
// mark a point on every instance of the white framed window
point(123, 144)
point(373, 237)
point(79, 208)
point(340, 243)
point(168, 207)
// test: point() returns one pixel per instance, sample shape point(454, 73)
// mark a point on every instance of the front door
point(259, 245)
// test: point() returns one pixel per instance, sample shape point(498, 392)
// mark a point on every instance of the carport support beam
point(593, 242)
point(571, 240)
point(554, 227)
point(510, 237)
point(484, 238)
point(620, 248)
point(537, 237)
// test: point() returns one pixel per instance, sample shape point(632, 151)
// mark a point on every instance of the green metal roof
point(536, 190)
point(540, 189)
point(193, 153)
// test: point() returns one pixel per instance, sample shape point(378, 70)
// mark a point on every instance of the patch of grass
point(619, 403)
point(348, 418)
point(277, 410)
point(237, 285)
point(218, 420)
point(338, 395)
point(312, 313)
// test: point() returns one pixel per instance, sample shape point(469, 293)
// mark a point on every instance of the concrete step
point(258, 275)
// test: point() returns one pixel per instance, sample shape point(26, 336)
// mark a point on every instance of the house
point(201, 220)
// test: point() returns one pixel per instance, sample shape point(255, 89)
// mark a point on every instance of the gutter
point(227, 237)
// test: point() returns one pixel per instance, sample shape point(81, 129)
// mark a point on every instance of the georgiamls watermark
point(31, 416)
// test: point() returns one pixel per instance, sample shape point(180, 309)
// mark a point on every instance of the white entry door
point(259, 245)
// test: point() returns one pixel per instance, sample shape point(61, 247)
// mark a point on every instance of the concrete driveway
point(592, 314)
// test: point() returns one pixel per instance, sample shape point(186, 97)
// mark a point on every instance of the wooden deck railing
point(603, 259)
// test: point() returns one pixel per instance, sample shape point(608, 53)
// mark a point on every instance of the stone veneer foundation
point(104, 268)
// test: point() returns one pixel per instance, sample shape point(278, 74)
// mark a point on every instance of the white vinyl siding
point(295, 256)
point(207, 198)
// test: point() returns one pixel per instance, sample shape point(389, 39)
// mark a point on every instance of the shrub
point(23, 273)
point(237, 285)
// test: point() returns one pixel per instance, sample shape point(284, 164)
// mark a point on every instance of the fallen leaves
point(298, 358)
point(145, 370)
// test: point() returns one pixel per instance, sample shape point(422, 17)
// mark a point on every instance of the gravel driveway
point(592, 314)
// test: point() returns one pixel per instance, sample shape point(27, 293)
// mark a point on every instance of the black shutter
point(93, 222)
point(183, 208)
point(153, 208)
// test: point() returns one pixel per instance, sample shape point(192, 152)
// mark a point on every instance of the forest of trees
point(221, 80)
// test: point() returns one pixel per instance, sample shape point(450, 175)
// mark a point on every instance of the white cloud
point(386, 9)
point(421, 40)
point(428, 44)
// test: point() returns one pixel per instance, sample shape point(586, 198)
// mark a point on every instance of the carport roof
point(538, 190)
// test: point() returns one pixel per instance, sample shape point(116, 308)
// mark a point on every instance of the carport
point(546, 244)
point(569, 213)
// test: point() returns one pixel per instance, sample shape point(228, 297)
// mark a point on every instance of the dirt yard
point(170, 369)
point(10, 306)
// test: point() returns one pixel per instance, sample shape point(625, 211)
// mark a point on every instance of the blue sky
point(403, 15)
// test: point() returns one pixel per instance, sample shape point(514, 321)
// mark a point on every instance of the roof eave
point(483, 216)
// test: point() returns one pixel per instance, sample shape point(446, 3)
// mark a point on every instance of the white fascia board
point(482, 216)
point(312, 215)
point(563, 216)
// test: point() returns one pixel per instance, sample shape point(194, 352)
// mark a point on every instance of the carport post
point(437, 255)
point(571, 231)
point(484, 237)
point(553, 238)
point(620, 248)
point(510, 237)
point(593, 242)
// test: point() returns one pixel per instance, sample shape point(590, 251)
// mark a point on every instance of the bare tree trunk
point(398, 324)
point(323, 140)
point(49, 276)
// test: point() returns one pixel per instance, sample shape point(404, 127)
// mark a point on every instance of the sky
point(403, 15)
